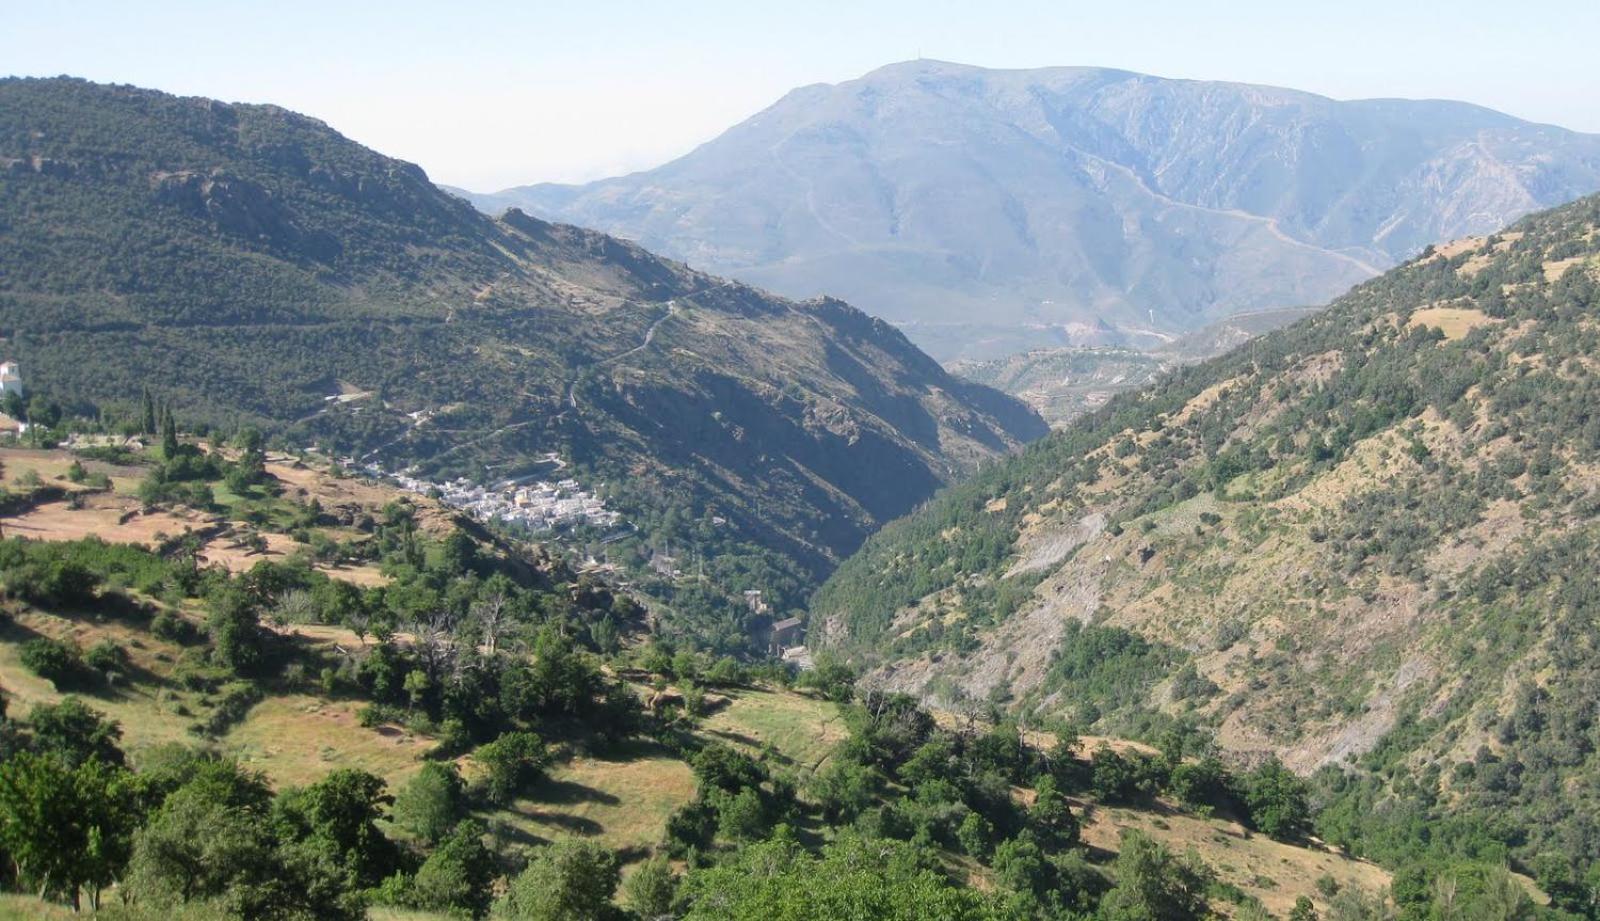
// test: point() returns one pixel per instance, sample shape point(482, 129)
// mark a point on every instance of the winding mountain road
point(649, 337)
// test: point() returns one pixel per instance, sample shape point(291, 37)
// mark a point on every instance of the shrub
point(174, 629)
point(108, 658)
point(513, 762)
point(54, 661)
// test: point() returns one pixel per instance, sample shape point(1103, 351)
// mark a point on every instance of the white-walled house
point(11, 378)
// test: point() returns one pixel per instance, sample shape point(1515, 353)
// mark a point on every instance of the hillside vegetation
point(324, 699)
point(254, 267)
point(1361, 543)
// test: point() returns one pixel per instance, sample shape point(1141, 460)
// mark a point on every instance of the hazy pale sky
point(487, 95)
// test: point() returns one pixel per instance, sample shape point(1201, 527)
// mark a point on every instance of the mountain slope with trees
point(994, 211)
point(1360, 543)
point(254, 267)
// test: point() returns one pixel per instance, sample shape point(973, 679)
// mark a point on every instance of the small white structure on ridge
point(11, 379)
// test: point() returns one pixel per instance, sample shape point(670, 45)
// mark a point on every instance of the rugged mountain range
point(250, 265)
point(1367, 538)
point(987, 211)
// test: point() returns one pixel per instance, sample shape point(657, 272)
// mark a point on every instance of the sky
point(488, 95)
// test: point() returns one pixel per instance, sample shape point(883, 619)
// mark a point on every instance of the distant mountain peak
point(989, 211)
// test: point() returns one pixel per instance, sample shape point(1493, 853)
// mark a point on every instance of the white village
point(537, 506)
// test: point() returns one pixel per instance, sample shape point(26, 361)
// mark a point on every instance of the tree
point(1113, 778)
point(66, 827)
point(336, 817)
point(844, 789)
point(853, 877)
point(975, 835)
point(741, 816)
point(458, 875)
point(54, 661)
point(416, 686)
point(169, 436)
point(1001, 749)
point(721, 767)
point(1153, 885)
point(1050, 818)
point(459, 553)
point(73, 732)
point(512, 763)
point(147, 423)
point(1203, 784)
point(1021, 865)
point(431, 803)
point(570, 880)
point(213, 842)
point(651, 888)
point(1303, 910)
point(238, 642)
point(1277, 801)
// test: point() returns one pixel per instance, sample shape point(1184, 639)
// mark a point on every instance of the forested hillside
point(254, 267)
point(1360, 543)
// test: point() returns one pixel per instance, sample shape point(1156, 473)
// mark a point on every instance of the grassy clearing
point(621, 801)
point(1454, 322)
point(295, 739)
point(803, 729)
point(150, 710)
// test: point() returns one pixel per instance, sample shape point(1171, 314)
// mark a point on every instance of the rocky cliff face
point(987, 212)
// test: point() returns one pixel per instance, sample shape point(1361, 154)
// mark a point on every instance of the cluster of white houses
point(538, 507)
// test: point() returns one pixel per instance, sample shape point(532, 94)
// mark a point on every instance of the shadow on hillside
point(567, 793)
point(511, 834)
point(733, 736)
point(571, 824)
point(634, 749)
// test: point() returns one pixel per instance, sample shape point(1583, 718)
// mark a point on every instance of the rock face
point(249, 265)
point(987, 212)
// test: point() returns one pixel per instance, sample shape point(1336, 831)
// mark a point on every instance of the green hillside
point(1360, 543)
point(253, 266)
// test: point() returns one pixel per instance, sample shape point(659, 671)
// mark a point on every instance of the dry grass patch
point(1454, 322)
point(622, 804)
point(803, 729)
point(148, 711)
point(1245, 859)
point(114, 519)
point(296, 739)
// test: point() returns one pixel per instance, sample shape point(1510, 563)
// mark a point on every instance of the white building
point(10, 379)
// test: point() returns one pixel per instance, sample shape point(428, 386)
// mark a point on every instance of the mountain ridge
point(250, 265)
point(1050, 201)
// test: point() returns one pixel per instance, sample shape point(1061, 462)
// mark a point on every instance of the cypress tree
point(169, 436)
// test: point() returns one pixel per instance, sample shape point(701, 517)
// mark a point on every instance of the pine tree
point(148, 423)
